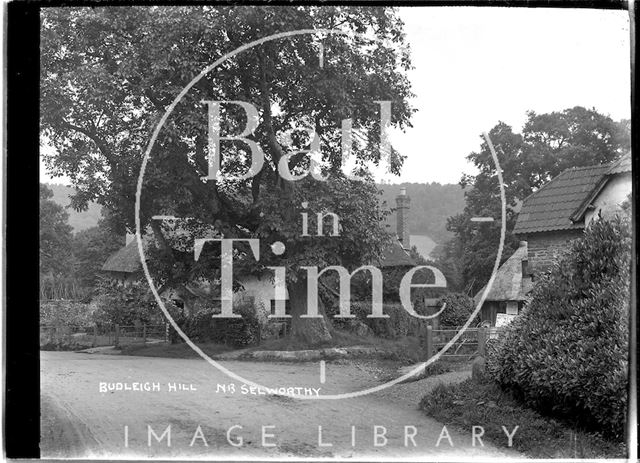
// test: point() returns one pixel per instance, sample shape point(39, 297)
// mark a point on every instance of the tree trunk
point(311, 331)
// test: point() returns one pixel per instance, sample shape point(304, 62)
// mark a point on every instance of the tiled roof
point(508, 284)
point(621, 166)
point(395, 256)
point(551, 207)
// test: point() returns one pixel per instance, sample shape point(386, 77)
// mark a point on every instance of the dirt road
point(208, 415)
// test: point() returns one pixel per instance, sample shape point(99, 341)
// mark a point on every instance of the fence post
point(429, 342)
point(144, 333)
point(482, 340)
point(95, 335)
point(116, 341)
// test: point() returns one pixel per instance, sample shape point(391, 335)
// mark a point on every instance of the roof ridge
point(593, 166)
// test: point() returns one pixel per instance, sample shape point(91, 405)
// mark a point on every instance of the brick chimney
point(402, 218)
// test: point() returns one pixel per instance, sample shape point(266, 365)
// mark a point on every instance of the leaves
point(55, 236)
point(109, 73)
point(549, 143)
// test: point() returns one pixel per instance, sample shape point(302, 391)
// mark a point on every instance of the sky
point(475, 66)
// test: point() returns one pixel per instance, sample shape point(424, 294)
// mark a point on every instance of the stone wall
point(545, 246)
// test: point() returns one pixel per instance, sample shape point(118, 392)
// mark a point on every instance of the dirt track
point(79, 421)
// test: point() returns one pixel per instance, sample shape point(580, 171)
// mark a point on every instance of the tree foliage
point(548, 144)
point(55, 237)
point(91, 248)
point(109, 74)
point(459, 309)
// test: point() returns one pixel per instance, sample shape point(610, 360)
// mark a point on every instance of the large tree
point(548, 144)
point(108, 74)
point(55, 237)
point(92, 247)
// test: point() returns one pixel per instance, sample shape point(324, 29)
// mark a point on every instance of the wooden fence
point(471, 342)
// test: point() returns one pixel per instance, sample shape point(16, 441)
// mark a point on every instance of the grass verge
point(405, 350)
point(470, 404)
point(181, 350)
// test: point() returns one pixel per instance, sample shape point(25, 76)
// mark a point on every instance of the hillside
point(78, 220)
point(431, 205)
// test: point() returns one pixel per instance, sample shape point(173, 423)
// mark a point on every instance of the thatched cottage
point(509, 290)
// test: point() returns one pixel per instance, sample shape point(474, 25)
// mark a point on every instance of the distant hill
point(431, 205)
point(78, 220)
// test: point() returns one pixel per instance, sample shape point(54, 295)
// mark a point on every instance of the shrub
point(126, 304)
point(459, 309)
point(566, 354)
point(399, 324)
point(237, 332)
point(66, 312)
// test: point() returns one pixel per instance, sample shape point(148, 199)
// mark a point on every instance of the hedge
point(236, 332)
point(566, 354)
point(399, 324)
point(65, 312)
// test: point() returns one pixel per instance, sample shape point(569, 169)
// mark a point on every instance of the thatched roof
point(509, 285)
point(125, 260)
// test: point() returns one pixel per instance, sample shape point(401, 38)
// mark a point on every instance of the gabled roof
point(551, 207)
point(125, 260)
point(619, 167)
point(509, 285)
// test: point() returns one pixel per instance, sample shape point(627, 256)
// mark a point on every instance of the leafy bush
point(126, 304)
point(459, 308)
point(566, 354)
point(399, 324)
point(67, 312)
point(237, 332)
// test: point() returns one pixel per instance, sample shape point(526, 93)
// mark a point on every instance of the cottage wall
point(610, 198)
point(544, 247)
point(261, 290)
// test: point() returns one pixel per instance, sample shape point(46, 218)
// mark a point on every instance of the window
point(512, 308)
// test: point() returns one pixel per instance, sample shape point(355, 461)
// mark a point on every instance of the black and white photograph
point(363, 231)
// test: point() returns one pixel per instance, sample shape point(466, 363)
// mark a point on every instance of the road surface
point(208, 415)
